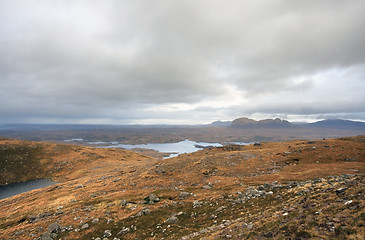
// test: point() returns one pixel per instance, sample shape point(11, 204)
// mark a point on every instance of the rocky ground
point(281, 190)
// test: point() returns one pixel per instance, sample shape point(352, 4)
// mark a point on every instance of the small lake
point(18, 188)
point(175, 149)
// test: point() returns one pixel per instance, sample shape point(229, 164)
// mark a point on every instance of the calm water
point(17, 188)
point(175, 149)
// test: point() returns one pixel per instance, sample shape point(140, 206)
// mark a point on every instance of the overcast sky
point(186, 61)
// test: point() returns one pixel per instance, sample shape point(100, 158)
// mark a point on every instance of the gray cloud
point(195, 61)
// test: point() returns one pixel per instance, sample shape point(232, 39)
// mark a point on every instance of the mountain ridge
point(245, 122)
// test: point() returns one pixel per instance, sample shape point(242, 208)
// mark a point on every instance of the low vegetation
point(274, 190)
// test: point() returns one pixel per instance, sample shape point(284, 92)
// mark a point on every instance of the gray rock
point(341, 190)
point(171, 220)
point(153, 198)
point(220, 208)
point(85, 226)
point(196, 204)
point(95, 221)
point(19, 233)
point(107, 233)
point(184, 195)
point(32, 219)
point(45, 214)
point(124, 230)
point(54, 228)
point(68, 228)
point(123, 202)
point(46, 236)
point(144, 211)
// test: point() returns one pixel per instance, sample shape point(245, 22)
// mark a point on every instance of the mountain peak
point(244, 122)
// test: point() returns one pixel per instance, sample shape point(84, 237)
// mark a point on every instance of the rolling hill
point(273, 190)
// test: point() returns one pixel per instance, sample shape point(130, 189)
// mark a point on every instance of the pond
point(174, 149)
point(18, 188)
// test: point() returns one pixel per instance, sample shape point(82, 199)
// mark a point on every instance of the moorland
point(312, 187)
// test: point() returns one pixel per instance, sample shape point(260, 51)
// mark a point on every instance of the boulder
point(171, 220)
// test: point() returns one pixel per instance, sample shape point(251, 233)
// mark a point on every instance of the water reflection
point(17, 188)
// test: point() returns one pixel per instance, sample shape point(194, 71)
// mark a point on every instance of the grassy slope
point(95, 180)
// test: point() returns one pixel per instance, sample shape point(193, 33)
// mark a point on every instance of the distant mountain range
point(267, 123)
point(245, 122)
point(338, 124)
point(221, 123)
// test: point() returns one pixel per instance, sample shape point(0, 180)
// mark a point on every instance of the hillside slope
point(25, 160)
point(278, 190)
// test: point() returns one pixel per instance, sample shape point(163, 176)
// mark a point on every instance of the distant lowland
point(239, 130)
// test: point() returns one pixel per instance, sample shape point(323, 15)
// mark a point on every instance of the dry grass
point(102, 177)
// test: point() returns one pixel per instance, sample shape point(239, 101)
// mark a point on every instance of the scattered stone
point(107, 233)
point(184, 195)
point(144, 211)
point(124, 230)
point(85, 226)
point(123, 202)
point(46, 236)
point(95, 221)
point(54, 228)
point(220, 208)
point(32, 219)
point(180, 213)
point(19, 233)
point(341, 190)
point(45, 214)
point(153, 199)
point(196, 204)
point(68, 228)
point(206, 187)
point(171, 220)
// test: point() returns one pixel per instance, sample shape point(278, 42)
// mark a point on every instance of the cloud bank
point(170, 61)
